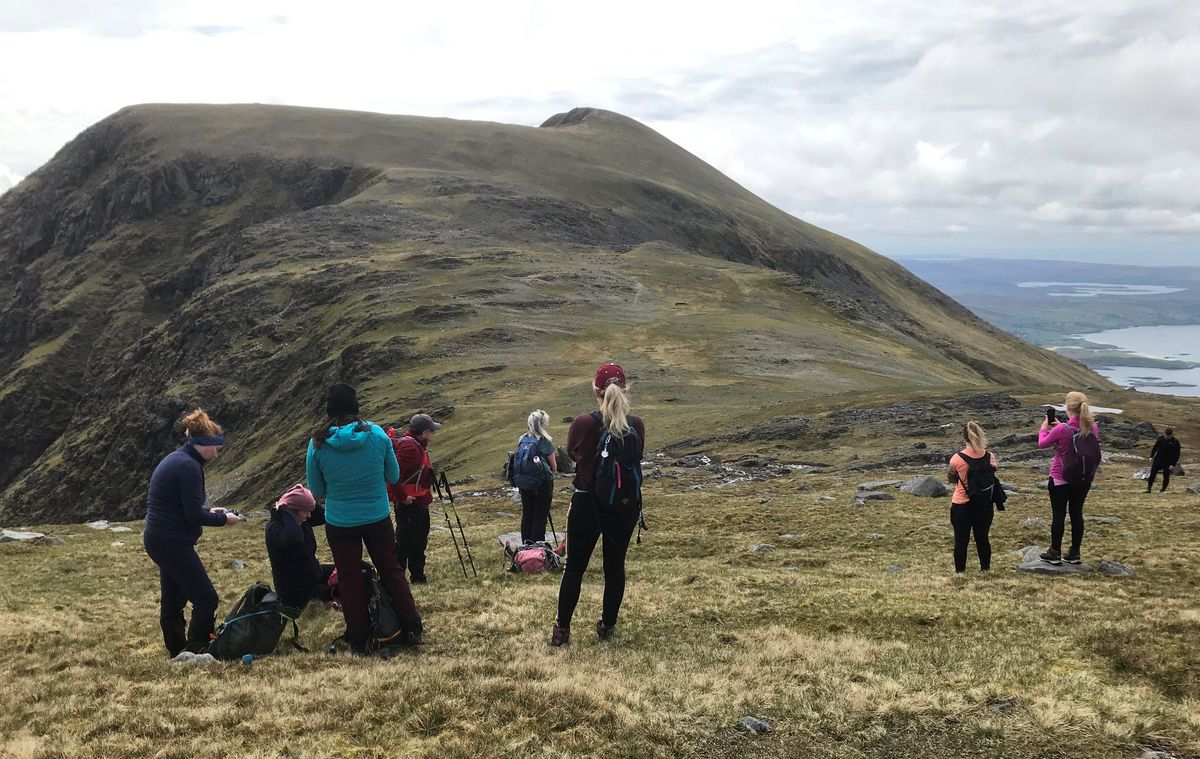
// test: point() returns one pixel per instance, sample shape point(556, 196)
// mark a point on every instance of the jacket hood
point(349, 437)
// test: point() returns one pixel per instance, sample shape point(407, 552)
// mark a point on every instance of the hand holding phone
point(1051, 416)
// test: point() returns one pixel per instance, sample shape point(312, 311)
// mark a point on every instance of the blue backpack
point(529, 470)
point(618, 485)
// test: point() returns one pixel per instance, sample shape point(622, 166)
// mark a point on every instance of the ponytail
point(325, 431)
point(975, 436)
point(614, 409)
point(1077, 405)
point(539, 422)
point(196, 423)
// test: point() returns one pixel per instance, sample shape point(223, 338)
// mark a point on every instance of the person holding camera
point(175, 519)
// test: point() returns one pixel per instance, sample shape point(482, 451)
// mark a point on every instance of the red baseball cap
point(609, 374)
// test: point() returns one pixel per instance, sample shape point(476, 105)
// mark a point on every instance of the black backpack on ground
point(618, 483)
point(255, 625)
point(385, 630)
point(981, 476)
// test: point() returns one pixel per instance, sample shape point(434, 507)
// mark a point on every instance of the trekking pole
point(450, 528)
point(553, 534)
point(641, 525)
point(461, 532)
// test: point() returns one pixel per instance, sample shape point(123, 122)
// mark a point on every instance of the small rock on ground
point(925, 486)
point(876, 536)
point(99, 524)
point(1115, 569)
point(120, 529)
point(894, 569)
point(754, 725)
point(1033, 522)
point(1194, 489)
point(864, 495)
point(877, 484)
point(1151, 754)
point(187, 657)
point(237, 565)
point(762, 547)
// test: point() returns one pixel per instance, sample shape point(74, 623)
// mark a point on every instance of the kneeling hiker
point(292, 548)
point(412, 494)
point(973, 472)
point(607, 446)
point(534, 469)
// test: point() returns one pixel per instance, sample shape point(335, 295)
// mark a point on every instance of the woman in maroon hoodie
point(412, 494)
point(588, 518)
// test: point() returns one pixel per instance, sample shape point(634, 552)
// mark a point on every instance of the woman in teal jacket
point(350, 463)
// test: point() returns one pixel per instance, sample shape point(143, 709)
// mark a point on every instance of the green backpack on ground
point(254, 626)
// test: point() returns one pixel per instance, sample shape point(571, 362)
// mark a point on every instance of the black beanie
point(341, 401)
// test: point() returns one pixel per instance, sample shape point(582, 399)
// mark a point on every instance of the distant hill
point(243, 257)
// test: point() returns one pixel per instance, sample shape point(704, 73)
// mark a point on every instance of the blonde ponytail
point(614, 408)
point(196, 423)
point(975, 436)
point(1077, 405)
point(538, 423)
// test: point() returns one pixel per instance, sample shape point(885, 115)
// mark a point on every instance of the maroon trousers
point(347, 543)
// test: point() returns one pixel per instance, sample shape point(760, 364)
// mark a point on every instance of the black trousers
point(1063, 499)
point(182, 579)
point(966, 518)
point(319, 591)
point(1155, 468)
point(535, 509)
point(585, 524)
point(412, 538)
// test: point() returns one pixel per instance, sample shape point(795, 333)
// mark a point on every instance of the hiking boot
point(559, 636)
point(1072, 557)
point(603, 631)
point(1051, 557)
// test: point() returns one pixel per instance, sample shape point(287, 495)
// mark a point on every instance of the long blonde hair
point(1077, 405)
point(539, 422)
point(975, 436)
point(614, 408)
point(196, 423)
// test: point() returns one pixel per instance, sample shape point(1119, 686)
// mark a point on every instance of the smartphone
point(1051, 415)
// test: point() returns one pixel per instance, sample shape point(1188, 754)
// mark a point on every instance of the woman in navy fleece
point(175, 517)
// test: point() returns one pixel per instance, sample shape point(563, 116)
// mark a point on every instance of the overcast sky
point(1067, 129)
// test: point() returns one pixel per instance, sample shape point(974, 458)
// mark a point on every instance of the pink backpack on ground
point(533, 558)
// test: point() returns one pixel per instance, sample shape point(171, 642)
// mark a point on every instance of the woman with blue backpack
point(1076, 459)
point(607, 447)
point(534, 468)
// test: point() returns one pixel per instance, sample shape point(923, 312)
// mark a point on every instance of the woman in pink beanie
point(292, 547)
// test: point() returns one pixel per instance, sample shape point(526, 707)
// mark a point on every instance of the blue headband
point(207, 440)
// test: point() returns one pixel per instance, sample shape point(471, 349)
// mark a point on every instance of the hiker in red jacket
point(412, 494)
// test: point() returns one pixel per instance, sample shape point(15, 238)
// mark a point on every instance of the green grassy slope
point(244, 257)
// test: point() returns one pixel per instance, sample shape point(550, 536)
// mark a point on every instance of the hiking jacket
point(352, 471)
point(415, 469)
point(175, 505)
point(292, 548)
point(1166, 451)
point(582, 440)
point(1060, 436)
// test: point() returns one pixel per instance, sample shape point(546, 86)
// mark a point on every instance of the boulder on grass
point(925, 486)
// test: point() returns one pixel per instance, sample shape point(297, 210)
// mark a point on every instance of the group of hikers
point(1076, 460)
point(366, 475)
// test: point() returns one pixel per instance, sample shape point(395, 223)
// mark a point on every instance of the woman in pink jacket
point(1066, 496)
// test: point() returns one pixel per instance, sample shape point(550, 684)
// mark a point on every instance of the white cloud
point(1015, 124)
point(8, 178)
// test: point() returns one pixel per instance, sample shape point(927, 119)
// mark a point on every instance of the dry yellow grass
point(843, 658)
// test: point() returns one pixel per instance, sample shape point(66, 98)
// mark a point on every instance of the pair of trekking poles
point(446, 496)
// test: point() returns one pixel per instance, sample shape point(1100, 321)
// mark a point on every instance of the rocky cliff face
point(244, 257)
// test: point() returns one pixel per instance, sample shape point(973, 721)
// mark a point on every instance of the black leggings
point(1154, 470)
point(1064, 498)
point(535, 508)
point(182, 578)
point(584, 524)
point(967, 517)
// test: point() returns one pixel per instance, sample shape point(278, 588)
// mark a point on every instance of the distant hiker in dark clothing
point(1067, 496)
point(292, 548)
point(350, 462)
point(412, 494)
point(973, 472)
point(175, 518)
point(594, 442)
point(1164, 456)
point(536, 465)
